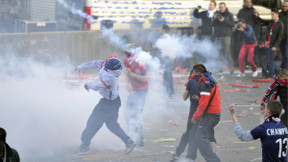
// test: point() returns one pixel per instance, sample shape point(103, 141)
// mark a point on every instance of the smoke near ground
point(44, 116)
point(40, 111)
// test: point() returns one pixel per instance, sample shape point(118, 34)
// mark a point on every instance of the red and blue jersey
point(273, 136)
point(131, 63)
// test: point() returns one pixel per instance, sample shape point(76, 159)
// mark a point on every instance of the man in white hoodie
point(106, 111)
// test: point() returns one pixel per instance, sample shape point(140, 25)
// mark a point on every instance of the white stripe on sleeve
point(205, 93)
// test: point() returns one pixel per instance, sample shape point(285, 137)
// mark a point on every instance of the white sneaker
point(240, 75)
point(254, 74)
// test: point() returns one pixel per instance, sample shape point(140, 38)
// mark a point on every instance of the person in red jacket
point(206, 117)
point(138, 85)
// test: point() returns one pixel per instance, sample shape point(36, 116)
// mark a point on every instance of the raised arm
point(242, 135)
point(91, 64)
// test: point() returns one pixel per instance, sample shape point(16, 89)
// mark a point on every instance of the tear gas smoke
point(43, 117)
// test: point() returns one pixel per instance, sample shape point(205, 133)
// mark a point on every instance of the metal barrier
point(78, 46)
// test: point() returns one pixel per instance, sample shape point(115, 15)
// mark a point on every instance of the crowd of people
point(220, 27)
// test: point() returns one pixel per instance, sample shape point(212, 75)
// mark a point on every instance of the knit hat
point(113, 63)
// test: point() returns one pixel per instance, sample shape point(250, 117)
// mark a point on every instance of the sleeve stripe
point(102, 64)
point(205, 93)
point(104, 83)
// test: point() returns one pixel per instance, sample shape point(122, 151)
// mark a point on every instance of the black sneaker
point(84, 149)
point(130, 145)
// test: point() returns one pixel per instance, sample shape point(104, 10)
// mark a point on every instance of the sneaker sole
point(131, 149)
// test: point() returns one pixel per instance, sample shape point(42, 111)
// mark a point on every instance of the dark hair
point(222, 3)
point(199, 68)
point(275, 10)
point(166, 28)
point(275, 107)
point(242, 20)
point(2, 135)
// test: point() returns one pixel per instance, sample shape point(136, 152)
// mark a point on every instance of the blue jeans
point(284, 52)
point(106, 111)
point(133, 114)
point(272, 66)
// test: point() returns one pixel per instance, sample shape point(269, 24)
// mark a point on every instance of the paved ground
point(158, 112)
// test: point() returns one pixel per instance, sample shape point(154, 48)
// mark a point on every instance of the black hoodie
point(248, 15)
point(223, 29)
point(11, 154)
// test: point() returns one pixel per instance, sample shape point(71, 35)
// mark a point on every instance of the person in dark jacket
point(7, 154)
point(283, 16)
point(192, 92)
point(273, 38)
point(279, 88)
point(249, 14)
point(249, 44)
point(223, 23)
point(207, 18)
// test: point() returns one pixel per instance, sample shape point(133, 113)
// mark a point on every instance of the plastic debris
point(183, 70)
point(234, 90)
point(165, 140)
point(177, 68)
point(252, 147)
point(172, 122)
point(263, 80)
point(245, 86)
point(224, 84)
point(255, 101)
point(242, 115)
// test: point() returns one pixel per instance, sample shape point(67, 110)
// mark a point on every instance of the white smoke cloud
point(43, 116)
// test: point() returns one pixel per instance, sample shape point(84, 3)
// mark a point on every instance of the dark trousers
point(284, 52)
point(237, 45)
point(272, 66)
point(203, 137)
point(106, 111)
point(168, 83)
point(133, 114)
point(225, 43)
point(260, 59)
point(186, 135)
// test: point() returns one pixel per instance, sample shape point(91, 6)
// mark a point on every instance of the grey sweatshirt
point(108, 83)
point(242, 135)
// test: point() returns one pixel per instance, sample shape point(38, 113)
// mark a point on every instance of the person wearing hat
point(106, 111)
point(7, 154)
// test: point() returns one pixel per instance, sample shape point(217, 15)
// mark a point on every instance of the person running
point(106, 111)
point(272, 132)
